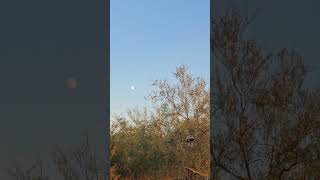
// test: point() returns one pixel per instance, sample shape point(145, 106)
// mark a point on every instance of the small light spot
point(72, 83)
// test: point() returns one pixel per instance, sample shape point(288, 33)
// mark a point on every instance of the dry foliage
point(152, 142)
point(265, 123)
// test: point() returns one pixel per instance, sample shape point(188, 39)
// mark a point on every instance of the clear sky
point(149, 39)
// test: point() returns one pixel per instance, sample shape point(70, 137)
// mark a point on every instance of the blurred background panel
point(44, 44)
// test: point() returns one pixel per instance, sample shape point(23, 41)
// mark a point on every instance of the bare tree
point(36, 172)
point(265, 124)
point(184, 107)
point(79, 164)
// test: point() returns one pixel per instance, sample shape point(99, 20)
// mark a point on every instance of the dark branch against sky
point(283, 24)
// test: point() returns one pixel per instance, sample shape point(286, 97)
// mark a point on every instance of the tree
point(185, 105)
point(79, 164)
point(265, 123)
point(152, 142)
point(36, 172)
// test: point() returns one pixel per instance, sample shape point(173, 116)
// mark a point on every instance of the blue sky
point(149, 39)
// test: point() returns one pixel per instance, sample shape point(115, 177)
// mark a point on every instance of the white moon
point(133, 88)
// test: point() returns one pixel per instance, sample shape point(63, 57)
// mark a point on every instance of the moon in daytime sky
point(72, 83)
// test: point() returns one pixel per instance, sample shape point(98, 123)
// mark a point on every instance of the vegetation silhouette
point(265, 124)
point(80, 163)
